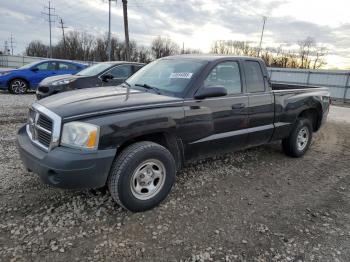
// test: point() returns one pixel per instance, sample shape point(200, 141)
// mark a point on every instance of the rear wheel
point(142, 176)
point(18, 86)
point(299, 139)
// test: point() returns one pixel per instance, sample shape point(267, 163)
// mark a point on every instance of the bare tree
point(319, 55)
point(144, 55)
point(191, 51)
point(229, 47)
point(305, 49)
point(164, 47)
point(84, 46)
point(308, 55)
point(37, 48)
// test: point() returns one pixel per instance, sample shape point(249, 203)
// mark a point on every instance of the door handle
point(238, 106)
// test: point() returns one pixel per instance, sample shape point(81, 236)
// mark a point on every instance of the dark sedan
point(102, 74)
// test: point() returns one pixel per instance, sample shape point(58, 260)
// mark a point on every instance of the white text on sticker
point(185, 75)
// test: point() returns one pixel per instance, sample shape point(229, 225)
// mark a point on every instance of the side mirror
point(207, 92)
point(34, 69)
point(107, 77)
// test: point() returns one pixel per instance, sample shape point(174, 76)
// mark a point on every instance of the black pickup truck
point(134, 137)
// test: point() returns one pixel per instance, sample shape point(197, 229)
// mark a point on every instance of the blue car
point(18, 81)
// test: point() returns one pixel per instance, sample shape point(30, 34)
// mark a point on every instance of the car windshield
point(94, 70)
point(169, 76)
point(30, 65)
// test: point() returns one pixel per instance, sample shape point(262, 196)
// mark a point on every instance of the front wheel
point(142, 176)
point(299, 139)
point(18, 86)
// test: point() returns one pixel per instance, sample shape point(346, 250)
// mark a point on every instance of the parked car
point(18, 81)
point(133, 138)
point(102, 74)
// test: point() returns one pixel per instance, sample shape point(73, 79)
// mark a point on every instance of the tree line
point(307, 55)
point(86, 47)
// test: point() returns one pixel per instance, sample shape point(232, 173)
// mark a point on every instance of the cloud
point(195, 22)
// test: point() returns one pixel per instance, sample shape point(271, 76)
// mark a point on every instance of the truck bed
point(284, 86)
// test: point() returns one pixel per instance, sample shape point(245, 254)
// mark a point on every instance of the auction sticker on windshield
point(185, 75)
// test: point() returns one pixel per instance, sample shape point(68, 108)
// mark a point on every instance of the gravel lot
point(254, 205)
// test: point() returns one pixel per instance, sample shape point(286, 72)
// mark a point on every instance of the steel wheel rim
point(148, 179)
point(18, 86)
point(303, 138)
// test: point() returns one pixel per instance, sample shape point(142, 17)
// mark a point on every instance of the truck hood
point(90, 102)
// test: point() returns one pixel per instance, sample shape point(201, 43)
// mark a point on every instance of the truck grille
point(40, 128)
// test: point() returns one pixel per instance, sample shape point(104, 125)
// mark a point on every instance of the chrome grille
point(39, 128)
point(45, 122)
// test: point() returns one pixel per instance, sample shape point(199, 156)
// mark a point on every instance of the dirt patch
point(253, 205)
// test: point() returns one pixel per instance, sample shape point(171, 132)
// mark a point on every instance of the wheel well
point(21, 78)
point(169, 141)
point(315, 116)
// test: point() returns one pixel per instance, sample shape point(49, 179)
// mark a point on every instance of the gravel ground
point(253, 205)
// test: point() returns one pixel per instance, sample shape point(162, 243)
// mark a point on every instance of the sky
point(194, 23)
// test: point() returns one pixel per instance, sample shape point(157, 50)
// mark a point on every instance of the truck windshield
point(169, 76)
point(94, 70)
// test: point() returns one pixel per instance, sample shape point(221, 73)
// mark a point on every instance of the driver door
point(41, 71)
point(219, 123)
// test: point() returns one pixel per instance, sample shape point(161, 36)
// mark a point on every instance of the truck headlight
point(80, 135)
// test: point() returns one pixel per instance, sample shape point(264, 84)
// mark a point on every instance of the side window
point(121, 71)
point(137, 68)
point(254, 77)
point(43, 66)
point(67, 66)
point(227, 75)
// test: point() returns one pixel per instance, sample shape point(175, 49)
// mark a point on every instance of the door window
point(43, 66)
point(46, 66)
point(121, 71)
point(254, 77)
point(227, 75)
point(66, 66)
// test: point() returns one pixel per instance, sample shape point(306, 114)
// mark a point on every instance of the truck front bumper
point(66, 167)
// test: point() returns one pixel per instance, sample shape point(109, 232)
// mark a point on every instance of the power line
point(50, 20)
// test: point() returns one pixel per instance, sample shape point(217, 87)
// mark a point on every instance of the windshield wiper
point(149, 88)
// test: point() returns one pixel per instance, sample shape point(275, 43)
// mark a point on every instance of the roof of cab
point(209, 58)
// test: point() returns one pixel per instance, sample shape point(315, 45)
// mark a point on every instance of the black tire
point(294, 147)
point(18, 86)
point(125, 169)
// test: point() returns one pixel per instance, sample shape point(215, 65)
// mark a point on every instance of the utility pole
point(262, 34)
point(6, 49)
point(109, 47)
point(126, 29)
point(63, 27)
point(50, 20)
point(11, 43)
